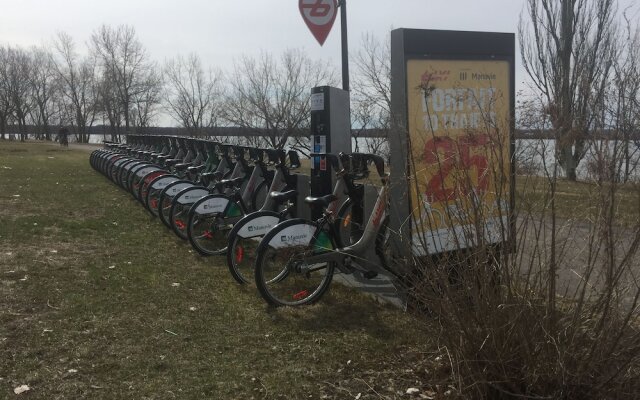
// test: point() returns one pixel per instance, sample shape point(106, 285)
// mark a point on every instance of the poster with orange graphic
point(458, 120)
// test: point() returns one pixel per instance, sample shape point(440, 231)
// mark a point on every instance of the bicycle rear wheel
point(282, 274)
point(209, 222)
point(180, 206)
point(348, 224)
point(243, 243)
point(166, 197)
point(155, 190)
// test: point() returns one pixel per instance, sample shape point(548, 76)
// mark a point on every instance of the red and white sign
point(319, 16)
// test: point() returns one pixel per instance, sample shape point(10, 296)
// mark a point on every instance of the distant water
point(534, 156)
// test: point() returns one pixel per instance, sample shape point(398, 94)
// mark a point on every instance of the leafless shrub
point(552, 314)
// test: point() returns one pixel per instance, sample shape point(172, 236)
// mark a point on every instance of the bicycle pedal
point(369, 274)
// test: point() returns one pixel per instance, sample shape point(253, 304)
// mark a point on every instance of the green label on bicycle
point(323, 243)
point(234, 210)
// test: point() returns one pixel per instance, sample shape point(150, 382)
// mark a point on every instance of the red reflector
point(180, 224)
point(154, 203)
point(208, 234)
point(300, 295)
point(239, 254)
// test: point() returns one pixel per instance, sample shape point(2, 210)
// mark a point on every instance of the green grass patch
point(581, 201)
point(99, 300)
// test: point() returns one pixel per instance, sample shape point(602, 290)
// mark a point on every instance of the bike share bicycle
point(212, 217)
point(296, 260)
point(170, 191)
point(252, 180)
point(152, 187)
point(246, 235)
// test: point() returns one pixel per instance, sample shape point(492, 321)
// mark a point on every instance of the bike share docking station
point(330, 133)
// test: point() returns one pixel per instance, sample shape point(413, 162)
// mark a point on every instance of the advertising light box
point(456, 114)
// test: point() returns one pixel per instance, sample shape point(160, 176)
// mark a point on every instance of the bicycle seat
point(217, 175)
point(182, 167)
point(281, 197)
point(236, 182)
point(197, 168)
point(323, 201)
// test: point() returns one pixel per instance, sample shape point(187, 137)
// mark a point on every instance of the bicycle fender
point(145, 170)
point(258, 226)
point(163, 181)
point(299, 234)
point(177, 188)
point(192, 195)
point(211, 205)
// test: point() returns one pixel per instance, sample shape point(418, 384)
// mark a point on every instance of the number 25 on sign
point(449, 159)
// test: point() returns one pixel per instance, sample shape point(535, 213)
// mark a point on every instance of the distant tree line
point(113, 87)
point(581, 57)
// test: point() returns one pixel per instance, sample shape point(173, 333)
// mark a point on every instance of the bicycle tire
point(166, 197)
point(125, 172)
point(244, 240)
point(155, 188)
point(146, 181)
point(279, 274)
point(348, 230)
point(180, 207)
point(210, 220)
point(135, 179)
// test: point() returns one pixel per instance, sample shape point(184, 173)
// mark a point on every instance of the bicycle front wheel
point(283, 275)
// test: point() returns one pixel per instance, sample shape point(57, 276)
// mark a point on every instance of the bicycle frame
point(357, 251)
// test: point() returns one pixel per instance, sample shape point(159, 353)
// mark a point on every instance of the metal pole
point(345, 47)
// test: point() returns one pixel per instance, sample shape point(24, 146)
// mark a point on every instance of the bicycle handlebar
point(256, 154)
point(334, 160)
point(276, 155)
point(359, 162)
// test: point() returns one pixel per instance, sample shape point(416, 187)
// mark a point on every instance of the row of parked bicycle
point(240, 202)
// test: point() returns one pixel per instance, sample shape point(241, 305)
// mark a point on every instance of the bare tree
point(125, 66)
point(371, 94)
point(18, 87)
point(193, 96)
point(78, 86)
point(271, 97)
point(568, 48)
point(44, 90)
point(624, 97)
point(110, 106)
point(146, 103)
point(5, 101)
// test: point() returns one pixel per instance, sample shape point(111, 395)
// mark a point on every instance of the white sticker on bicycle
point(143, 171)
point(294, 235)
point(175, 189)
point(192, 196)
point(213, 205)
point(163, 182)
point(258, 226)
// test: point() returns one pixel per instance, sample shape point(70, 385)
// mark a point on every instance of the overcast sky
point(220, 30)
